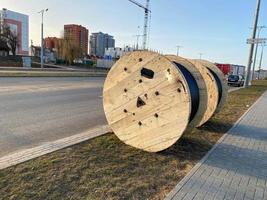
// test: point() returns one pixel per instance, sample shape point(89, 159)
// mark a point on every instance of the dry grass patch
point(105, 168)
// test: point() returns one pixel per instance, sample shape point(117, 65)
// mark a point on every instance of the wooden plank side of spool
point(212, 91)
point(203, 95)
point(148, 105)
point(224, 86)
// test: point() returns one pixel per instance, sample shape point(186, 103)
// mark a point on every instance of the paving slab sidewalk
point(236, 167)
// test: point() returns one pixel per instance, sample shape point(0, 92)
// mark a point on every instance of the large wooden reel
point(147, 101)
point(221, 82)
point(197, 119)
point(212, 91)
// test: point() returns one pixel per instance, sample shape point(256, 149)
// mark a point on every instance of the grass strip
point(105, 168)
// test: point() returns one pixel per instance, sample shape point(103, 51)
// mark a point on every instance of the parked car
point(236, 80)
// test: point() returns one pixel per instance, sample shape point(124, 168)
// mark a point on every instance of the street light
point(248, 77)
point(256, 50)
point(42, 36)
point(262, 50)
point(178, 49)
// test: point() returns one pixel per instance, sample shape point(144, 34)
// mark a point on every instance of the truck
point(230, 69)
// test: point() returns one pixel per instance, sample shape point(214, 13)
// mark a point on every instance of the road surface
point(38, 110)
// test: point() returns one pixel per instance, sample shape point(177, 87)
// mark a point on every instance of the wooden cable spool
point(221, 82)
point(202, 89)
point(150, 100)
point(212, 91)
point(147, 101)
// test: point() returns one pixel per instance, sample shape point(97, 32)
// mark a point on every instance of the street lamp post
point(137, 41)
point(262, 50)
point(42, 37)
point(248, 76)
point(256, 50)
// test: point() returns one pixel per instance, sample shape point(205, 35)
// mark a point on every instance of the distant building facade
point(260, 74)
point(99, 42)
point(51, 43)
point(19, 24)
point(116, 53)
point(78, 34)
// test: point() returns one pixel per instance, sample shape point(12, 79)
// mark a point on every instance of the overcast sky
point(216, 28)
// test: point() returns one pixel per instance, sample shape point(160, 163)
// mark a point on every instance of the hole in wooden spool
point(179, 90)
point(140, 102)
point(140, 81)
point(156, 115)
point(181, 82)
point(146, 96)
point(157, 93)
point(125, 111)
point(148, 73)
point(125, 90)
point(140, 59)
point(133, 114)
point(125, 69)
point(140, 123)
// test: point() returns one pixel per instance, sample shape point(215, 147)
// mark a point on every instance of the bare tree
point(68, 50)
point(10, 37)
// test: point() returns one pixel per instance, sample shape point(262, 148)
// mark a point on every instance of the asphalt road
point(38, 110)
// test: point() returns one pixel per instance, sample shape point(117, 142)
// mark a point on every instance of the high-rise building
point(99, 42)
point(19, 24)
point(78, 34)
point(51, 43)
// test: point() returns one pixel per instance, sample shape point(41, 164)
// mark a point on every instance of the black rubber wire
point(194, 90)
point(219, 84)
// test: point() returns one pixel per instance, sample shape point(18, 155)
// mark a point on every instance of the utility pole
point(137, 38)
point(248, 76)
point(31, 48)
point(256, 50)
point(262, 50)
point(137, 41)
point(178, 49)
point(42, 36)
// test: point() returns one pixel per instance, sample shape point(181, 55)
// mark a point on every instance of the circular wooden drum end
point(146, 101)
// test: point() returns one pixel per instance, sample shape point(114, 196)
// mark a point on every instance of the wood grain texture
point(146, 113)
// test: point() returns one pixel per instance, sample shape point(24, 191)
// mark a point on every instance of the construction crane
point(147, 11)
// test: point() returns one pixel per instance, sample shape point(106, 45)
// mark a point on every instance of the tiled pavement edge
point(49, 147)
point(236, 167)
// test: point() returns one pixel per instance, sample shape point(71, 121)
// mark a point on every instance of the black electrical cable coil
point(194, 90)
point(219, 84)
